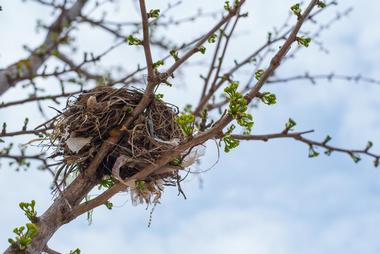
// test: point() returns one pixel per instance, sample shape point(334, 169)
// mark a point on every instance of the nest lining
point(90, 119)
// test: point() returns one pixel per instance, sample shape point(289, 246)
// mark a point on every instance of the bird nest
point(92, 117)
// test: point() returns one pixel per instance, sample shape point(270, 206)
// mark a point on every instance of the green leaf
point(227, 6)
point(212, 38)
point(244, 15)
point(159, 96)
point(230, 142)
point(176, 162)
point(32, 230)
point(304, 41)
point(26, 121)
point(186, 122)
point(238, 106)
point(202, 49)
point(106, 182)
point(236, 3)
point(76, 251)
point(55, 53)
point(259, 73)
point(290, 124)
point(312, 152)
point(4, 130)
point(269, 36)
point(268, 98)
point(321, 4)
point(369, 145)
point(327, 139)
point(29, 210)
point(141, 185)
point(376, 162)
point(109, 205)
point(134, 41)
point(23, 239)
point(158, 64)
point(167, 83)
point(155, 13)
point(188, 108)
point(174, 54)
point(355, 158)
point(296, 9)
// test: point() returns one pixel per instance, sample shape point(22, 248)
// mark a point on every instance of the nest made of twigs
point(88, 120)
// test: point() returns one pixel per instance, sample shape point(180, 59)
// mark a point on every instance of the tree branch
point(311, 143)
point(204, 38)
point(276, 60)
point(27, 68)
point(146, 41)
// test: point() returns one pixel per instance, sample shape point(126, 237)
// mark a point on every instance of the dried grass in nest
point(88, 121)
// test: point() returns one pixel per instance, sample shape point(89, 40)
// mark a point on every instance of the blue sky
point(264, 198)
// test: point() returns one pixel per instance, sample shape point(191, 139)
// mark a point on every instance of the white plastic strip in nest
point(173, 142)
point(121, 161)
point(77, 143)
point(194, 155)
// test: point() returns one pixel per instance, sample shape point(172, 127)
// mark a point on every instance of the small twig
point(299, 136)
point(50, 251)
point(204, 38)
point(146, 41)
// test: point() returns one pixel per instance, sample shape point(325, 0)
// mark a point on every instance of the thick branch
point(27, 68)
